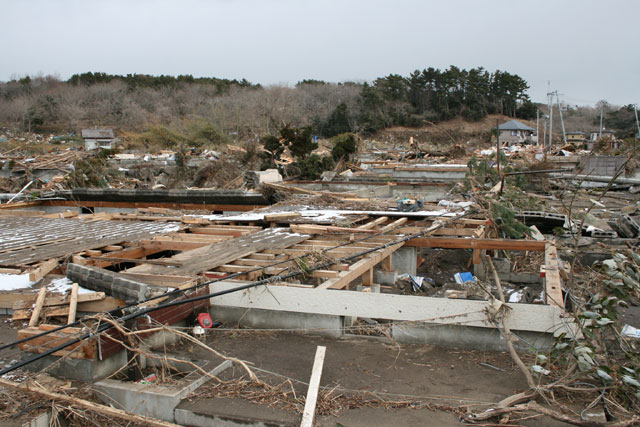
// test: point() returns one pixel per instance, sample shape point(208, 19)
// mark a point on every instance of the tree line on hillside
point(240, 108)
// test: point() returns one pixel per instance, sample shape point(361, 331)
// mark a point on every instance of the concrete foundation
point(385, 277)
point(405, 261)
point(466, 337)
point(316, 324)
point(152, 400)
point(79, 369)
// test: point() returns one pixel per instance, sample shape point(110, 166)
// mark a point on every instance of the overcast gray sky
point(588, 49)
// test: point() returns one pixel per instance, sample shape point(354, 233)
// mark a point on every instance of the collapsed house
point(121, 275)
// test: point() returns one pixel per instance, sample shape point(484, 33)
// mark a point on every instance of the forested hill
point(133, 101)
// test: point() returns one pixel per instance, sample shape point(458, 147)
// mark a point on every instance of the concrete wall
point(315, 324)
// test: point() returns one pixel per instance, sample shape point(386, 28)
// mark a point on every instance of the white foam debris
point(63, 286)
point(10, 282)
point(450, 204)
point(516, 296)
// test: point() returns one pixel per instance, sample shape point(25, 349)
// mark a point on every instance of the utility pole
point(538, 125)
point(544, 139)
point(635, 144)
point(564, 134)
point(601, 111)
point(498, 146)
point(550, 122)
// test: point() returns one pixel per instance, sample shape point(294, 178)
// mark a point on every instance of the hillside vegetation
point(239, 108)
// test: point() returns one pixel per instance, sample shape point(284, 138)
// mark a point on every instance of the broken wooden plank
point(284, 216)
point(35, 316)
point(42, 270)
point(309, 412)
point(73, 303)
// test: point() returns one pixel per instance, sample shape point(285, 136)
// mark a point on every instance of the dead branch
point(507, 332)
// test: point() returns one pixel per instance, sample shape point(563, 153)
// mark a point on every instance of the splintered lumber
point(44, 269)
point(38, 307)
point(552, 281)
point(324, 229)
point(73, 304)
point(359, 268)
point(314, 385)
point(284, 216)
point(108, 411)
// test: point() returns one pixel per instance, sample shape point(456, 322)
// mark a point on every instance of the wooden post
point(367, 278)
point(38, 307)
point(73, 303)
point(314, 384)
point(386, 264)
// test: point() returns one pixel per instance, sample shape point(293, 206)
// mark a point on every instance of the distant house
point(595, 135)
point(98, 139)
point(576, 137)
point(515, 132)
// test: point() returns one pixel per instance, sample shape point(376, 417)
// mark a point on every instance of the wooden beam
point(35, 316)
point(373, 224)
point(359, 268)
point(325, 274)
point(284, 216)
point(309, 412)
point(552, 281)
point(42, 270)
point(73, 304)
point(462, 243)
point(394, 224)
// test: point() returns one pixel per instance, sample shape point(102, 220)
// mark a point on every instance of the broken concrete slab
point(154, 400)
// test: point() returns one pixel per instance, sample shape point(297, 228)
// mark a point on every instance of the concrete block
point(405, 261)
point(79, 369)
point(316, 324)
point(384, 277)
